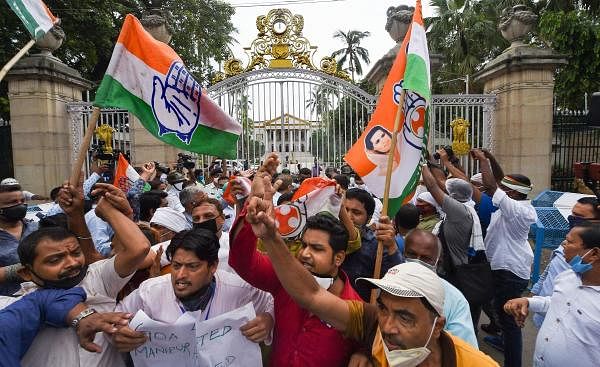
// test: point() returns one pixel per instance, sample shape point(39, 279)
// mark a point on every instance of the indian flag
point(35, 15)
point(125, 175)
point(148, 78)
point(368, 156)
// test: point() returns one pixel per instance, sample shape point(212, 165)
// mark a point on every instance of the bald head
point(422, 245)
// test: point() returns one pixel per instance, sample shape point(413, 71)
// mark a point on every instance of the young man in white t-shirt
point(57, 258)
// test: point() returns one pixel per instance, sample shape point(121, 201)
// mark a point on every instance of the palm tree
point(352, 52)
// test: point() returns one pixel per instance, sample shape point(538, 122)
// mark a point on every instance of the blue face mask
point(578, 265)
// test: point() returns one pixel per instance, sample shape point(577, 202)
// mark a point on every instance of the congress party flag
point(315, 195)
point(148, 78)
point(125, 175)
point(368, 156)
point(35, 15)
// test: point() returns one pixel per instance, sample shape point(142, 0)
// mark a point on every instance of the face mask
point(578, 265)
point(575, 221)
point(408, 357)
point(64, 283)
point(324, 282)
point(13, 213)
point(178, 186)
point(428, 266)
point(210, 225)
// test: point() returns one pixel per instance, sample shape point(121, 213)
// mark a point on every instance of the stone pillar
point(39, 88)
point(522, 78)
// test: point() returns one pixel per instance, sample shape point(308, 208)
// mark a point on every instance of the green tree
point(352, 52)
point(201, 31)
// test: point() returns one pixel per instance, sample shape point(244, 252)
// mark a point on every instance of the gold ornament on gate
point(460, 128)
point(104, 133)
point(280, 44)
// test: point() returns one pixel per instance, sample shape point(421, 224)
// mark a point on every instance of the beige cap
point(412, 280)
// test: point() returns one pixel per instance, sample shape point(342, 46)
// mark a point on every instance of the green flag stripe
point(206, 140)
point(416, 76)
point(21, 10)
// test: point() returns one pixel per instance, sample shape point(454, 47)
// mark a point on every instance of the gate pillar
point(522, 77)
point(39, 88)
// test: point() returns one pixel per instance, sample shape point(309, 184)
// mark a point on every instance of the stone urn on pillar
point(155, 22)
point(516, 22)
point(51, 41)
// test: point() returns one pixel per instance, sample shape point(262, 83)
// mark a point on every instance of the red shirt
point(300, 338)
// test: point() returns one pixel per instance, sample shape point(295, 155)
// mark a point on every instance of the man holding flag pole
point(405, 329)
point(398, 128)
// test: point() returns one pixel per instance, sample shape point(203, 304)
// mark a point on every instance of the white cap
point(427, 197)
point(412, 280)
point(9, 182)
point(477, 178)
point(171, 219)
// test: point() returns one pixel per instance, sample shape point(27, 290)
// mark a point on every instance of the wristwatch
point(82, 315)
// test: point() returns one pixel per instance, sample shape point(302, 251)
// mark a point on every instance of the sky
point(322, 18)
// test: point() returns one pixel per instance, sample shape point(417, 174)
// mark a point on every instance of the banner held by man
point(368, 156)
point(148, 78)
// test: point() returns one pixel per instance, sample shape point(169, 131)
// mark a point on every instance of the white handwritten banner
point(220, 342)
point(217, 342)
point(167, 343)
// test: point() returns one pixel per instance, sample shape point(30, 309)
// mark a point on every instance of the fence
point(6, 161)
point(572, 141)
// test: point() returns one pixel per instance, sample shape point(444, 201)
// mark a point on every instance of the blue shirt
point(362, 262)
point(458, 314)
point(484, 210)
point(21, 320)
point(100, 231)
point(545, 285)
point(9, 256)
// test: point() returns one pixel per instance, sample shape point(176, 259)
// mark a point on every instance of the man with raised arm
point(404, 329)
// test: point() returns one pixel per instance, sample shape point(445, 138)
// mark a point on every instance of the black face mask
point(13, 213)
point(64, 283)
point(210, 225)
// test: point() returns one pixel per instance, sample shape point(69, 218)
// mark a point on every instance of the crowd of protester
point(180, 240)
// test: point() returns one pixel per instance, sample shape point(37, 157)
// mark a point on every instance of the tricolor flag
point(315, 195)
point(35, 15)
point(148, 78)
point(368, 156)
point(125, 175)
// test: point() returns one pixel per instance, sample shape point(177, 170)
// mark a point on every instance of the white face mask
point(428, 266)
point(408, 357)
point(178, 186)
point(325, 283)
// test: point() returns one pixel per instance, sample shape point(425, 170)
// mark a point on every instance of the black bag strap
point(448, 263)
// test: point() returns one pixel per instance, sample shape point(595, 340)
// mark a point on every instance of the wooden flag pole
point(85, 145)
point(15, 58)
point(386, 190)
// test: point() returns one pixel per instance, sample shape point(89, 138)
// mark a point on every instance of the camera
point(448, 150)
point(103, 156)
point(161, 169)
point(185, 161)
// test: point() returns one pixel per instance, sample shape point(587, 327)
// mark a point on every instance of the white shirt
point(506, 242)
point(59, 347)
point(570, 334)
point(173, 199)
point(156, 298)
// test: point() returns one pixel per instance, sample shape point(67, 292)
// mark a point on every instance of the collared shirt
point(484, 209)
point(570, 334)
point(458, 314)
point(100, 231)
point(21, 320)
point(156, 298)
point(545, 285)
point(362, 262)
point(428, 223)
point(363, 327)
point(9, 255)
point(87, 188)
point(506, 243)
point(60, 347)
point(300, 339)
